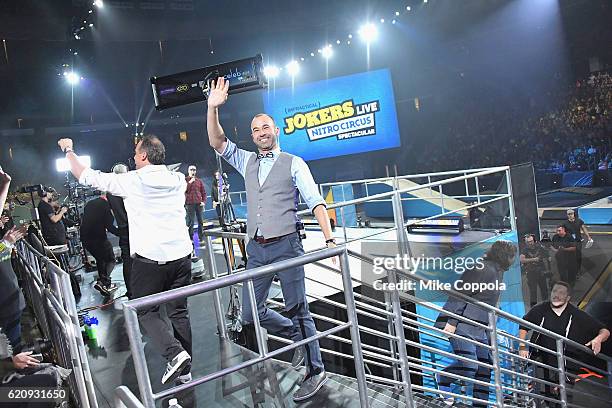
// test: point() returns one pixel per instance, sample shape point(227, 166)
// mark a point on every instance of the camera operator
point(51, 217)
point(97, 219)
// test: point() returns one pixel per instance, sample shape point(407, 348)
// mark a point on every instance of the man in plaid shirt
point(195, 197)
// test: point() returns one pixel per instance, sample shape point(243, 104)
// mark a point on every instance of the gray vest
point(271, 208)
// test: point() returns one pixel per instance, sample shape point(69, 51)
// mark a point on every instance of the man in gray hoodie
point(154, 200)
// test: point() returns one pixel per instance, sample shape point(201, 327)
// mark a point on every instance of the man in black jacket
point(97, 219)
point(497, 260)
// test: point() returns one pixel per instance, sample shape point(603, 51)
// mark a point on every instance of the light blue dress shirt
point(300, 173)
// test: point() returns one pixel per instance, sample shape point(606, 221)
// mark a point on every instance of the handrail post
point(398, 218)
point(510, 201)
point(262, 345)
point(351, 314)
point(401, 340)
point(561, 363)
point(140, 362)
point(499, 396)
point(216, 296)
point(391, 329)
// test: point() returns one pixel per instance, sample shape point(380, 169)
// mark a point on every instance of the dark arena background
point(436, 131)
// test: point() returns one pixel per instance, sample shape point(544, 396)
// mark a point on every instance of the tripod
point(228, 222)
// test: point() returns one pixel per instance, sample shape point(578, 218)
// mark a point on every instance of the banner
point(336, 117)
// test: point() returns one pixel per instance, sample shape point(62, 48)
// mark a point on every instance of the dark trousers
point(298, 324)
point(194, 210)
point(102, 251)
point(126, 259)
point(536, 279)
point(173, 336)
point(578, 257)
point(470, 369)
point(567, 266)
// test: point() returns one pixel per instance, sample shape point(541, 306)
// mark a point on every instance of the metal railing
point(510, 381)
point(131, 307)
point(48, 289)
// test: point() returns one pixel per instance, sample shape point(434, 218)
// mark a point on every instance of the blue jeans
point(299, 323)
point(469, 369)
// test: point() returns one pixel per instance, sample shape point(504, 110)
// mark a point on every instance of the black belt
point(262, 240)
point(151, 261)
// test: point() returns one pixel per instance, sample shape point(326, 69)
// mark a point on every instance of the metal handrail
point(410, 189)
point(132, 306)
point(497, 311)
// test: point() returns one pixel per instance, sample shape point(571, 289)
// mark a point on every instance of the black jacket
point(490, 273)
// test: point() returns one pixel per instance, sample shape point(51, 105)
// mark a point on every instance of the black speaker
point(525, 199)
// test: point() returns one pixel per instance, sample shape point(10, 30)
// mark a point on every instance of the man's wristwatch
point(68, 149)
point(330, 241)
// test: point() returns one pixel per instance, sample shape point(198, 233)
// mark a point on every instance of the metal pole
point(391, 329)
point(477, 189)
point(467, 188)
point(441, 200)
point(402, 234)
point(511, 201)
point(343, 223)
point(401, 340)
point(561, 362)
point(262, 345)
point(221, 329)
point(72, 313)
point(140, 362)
point(351, 314)
point(499, 396)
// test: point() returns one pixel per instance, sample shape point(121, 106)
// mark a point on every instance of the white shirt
point(154, 199)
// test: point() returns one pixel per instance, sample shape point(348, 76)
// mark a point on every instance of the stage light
point(338, 42)
point(312, 54)
point(397, 13)
point(393, 21)
point(90, 11)
point(90, 25)
point(408, 8)
point(293, 68)
point(368, 32)
point(327, 52)
point(62, 165)
point(382, 20)
point(98, 3)
point(425, 1)
point(72, 77)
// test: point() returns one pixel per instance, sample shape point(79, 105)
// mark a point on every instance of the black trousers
point(536, 279)
point(124, 244)
point(172, 335)
point(194, 211)
point(102, 251)
point(568, 267)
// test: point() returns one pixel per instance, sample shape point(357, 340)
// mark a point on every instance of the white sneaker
point(176, 366)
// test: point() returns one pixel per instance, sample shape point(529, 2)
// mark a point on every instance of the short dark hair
point(154, 148)
point(562, 283)
point(502, 253)
point(562, 226)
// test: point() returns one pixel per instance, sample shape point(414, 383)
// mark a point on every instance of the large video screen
point(336, 117)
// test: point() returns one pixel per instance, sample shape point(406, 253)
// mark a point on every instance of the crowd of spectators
point(576, 135)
